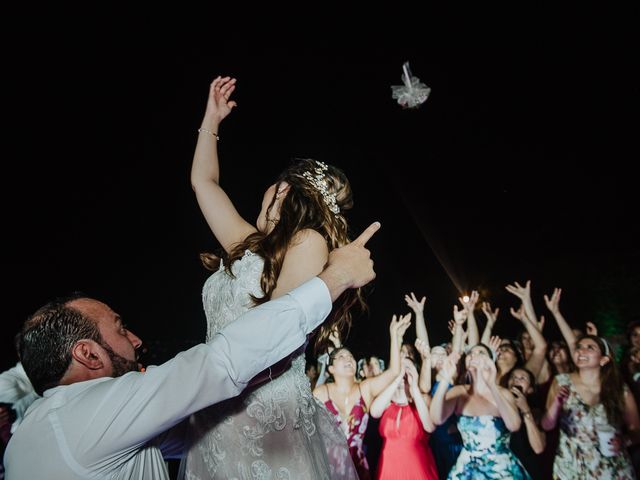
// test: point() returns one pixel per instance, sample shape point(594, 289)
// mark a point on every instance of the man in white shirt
point(100, 418)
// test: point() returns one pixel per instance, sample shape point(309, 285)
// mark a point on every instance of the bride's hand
point(218, 104)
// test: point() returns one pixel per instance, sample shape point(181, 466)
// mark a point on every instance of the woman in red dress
point(405, 426)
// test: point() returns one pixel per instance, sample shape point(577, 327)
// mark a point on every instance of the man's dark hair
point(47, 337)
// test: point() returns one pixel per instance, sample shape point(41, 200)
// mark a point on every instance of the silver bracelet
point(213, 134)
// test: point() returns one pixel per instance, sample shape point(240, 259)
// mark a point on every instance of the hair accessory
point(319, 182)
point(607, 351)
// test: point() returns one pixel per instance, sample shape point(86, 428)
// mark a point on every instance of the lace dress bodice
point(226, 297)
point(275, 431)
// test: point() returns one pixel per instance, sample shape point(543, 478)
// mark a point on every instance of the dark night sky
point(517, 167)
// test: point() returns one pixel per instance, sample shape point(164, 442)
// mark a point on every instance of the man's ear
point(89, 354)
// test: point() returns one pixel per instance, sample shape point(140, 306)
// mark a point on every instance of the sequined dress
point(277, 431)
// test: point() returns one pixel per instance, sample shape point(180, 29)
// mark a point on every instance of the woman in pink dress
point(349, 401)
point(405, 424)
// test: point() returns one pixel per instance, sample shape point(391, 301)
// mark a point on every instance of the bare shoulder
point(310, 243)
point(309, 238)
point(321, 393)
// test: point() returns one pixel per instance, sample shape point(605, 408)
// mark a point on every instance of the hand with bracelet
point(218, 105)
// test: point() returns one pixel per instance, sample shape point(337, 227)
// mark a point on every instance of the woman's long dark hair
point(611, 384)
point(303, 207)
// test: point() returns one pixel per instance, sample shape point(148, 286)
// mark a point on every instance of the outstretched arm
point(418, 397)
point(534, 434)
point(553, 304)
point(536, 360)
point(444, 400)
point(492, 316)
point(222, 217)
point(418, 310)
point(382, 401)
point(372, 387)
point(459, 334)
point(555, 399)
point(504, 400)
point(424, 380)
point(472, 326)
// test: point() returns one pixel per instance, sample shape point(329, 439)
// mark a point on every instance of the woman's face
point(476, 357)
point(558, 354)
point(520, 378)
point(374, 367)
point(266, 223)
point(438, 355)
point(507, 356)
point(527, 343)
point(344, 365)
point(588, 354)
point(407, 351)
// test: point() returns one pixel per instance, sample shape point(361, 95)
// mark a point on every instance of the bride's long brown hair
point(303, 207)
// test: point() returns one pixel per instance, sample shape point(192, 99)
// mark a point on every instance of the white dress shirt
point(119, 428)
point(16, 389)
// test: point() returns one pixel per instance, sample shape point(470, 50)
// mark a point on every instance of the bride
point(275, 430)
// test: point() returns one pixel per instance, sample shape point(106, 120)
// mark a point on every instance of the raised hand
point(399, 325)
point(423, 349)
point(520, 314)
point(411, 372)
point(523, 293)
point(592, 329)
point(414, 304)
point(521, 399)
point(553, 303)
point(451, 325)
point(492, 315)
point(334, 337)
point(561, 395)
point(350, 266)
point(449, 370)
point(460, 316)
point(540, 323)
point(218, 104)
point(494, 344)
point(470, 305)
point(487, 369)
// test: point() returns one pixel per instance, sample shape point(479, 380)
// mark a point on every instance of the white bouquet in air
point(413, 93)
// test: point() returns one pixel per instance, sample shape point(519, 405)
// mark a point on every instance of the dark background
point(519, 165)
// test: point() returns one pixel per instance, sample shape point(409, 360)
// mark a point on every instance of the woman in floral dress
point(579, 403)
point(487, 413)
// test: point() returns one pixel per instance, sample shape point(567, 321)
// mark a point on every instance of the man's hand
point(350, 266)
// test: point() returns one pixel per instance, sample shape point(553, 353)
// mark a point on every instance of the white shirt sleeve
point(16, 389)
point(128, 411)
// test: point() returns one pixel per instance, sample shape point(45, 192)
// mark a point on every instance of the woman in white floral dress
point(585, 401)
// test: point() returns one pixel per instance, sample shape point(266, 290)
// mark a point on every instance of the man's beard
point(119, 364)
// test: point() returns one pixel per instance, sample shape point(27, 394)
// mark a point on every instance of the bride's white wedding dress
point(276, 431)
